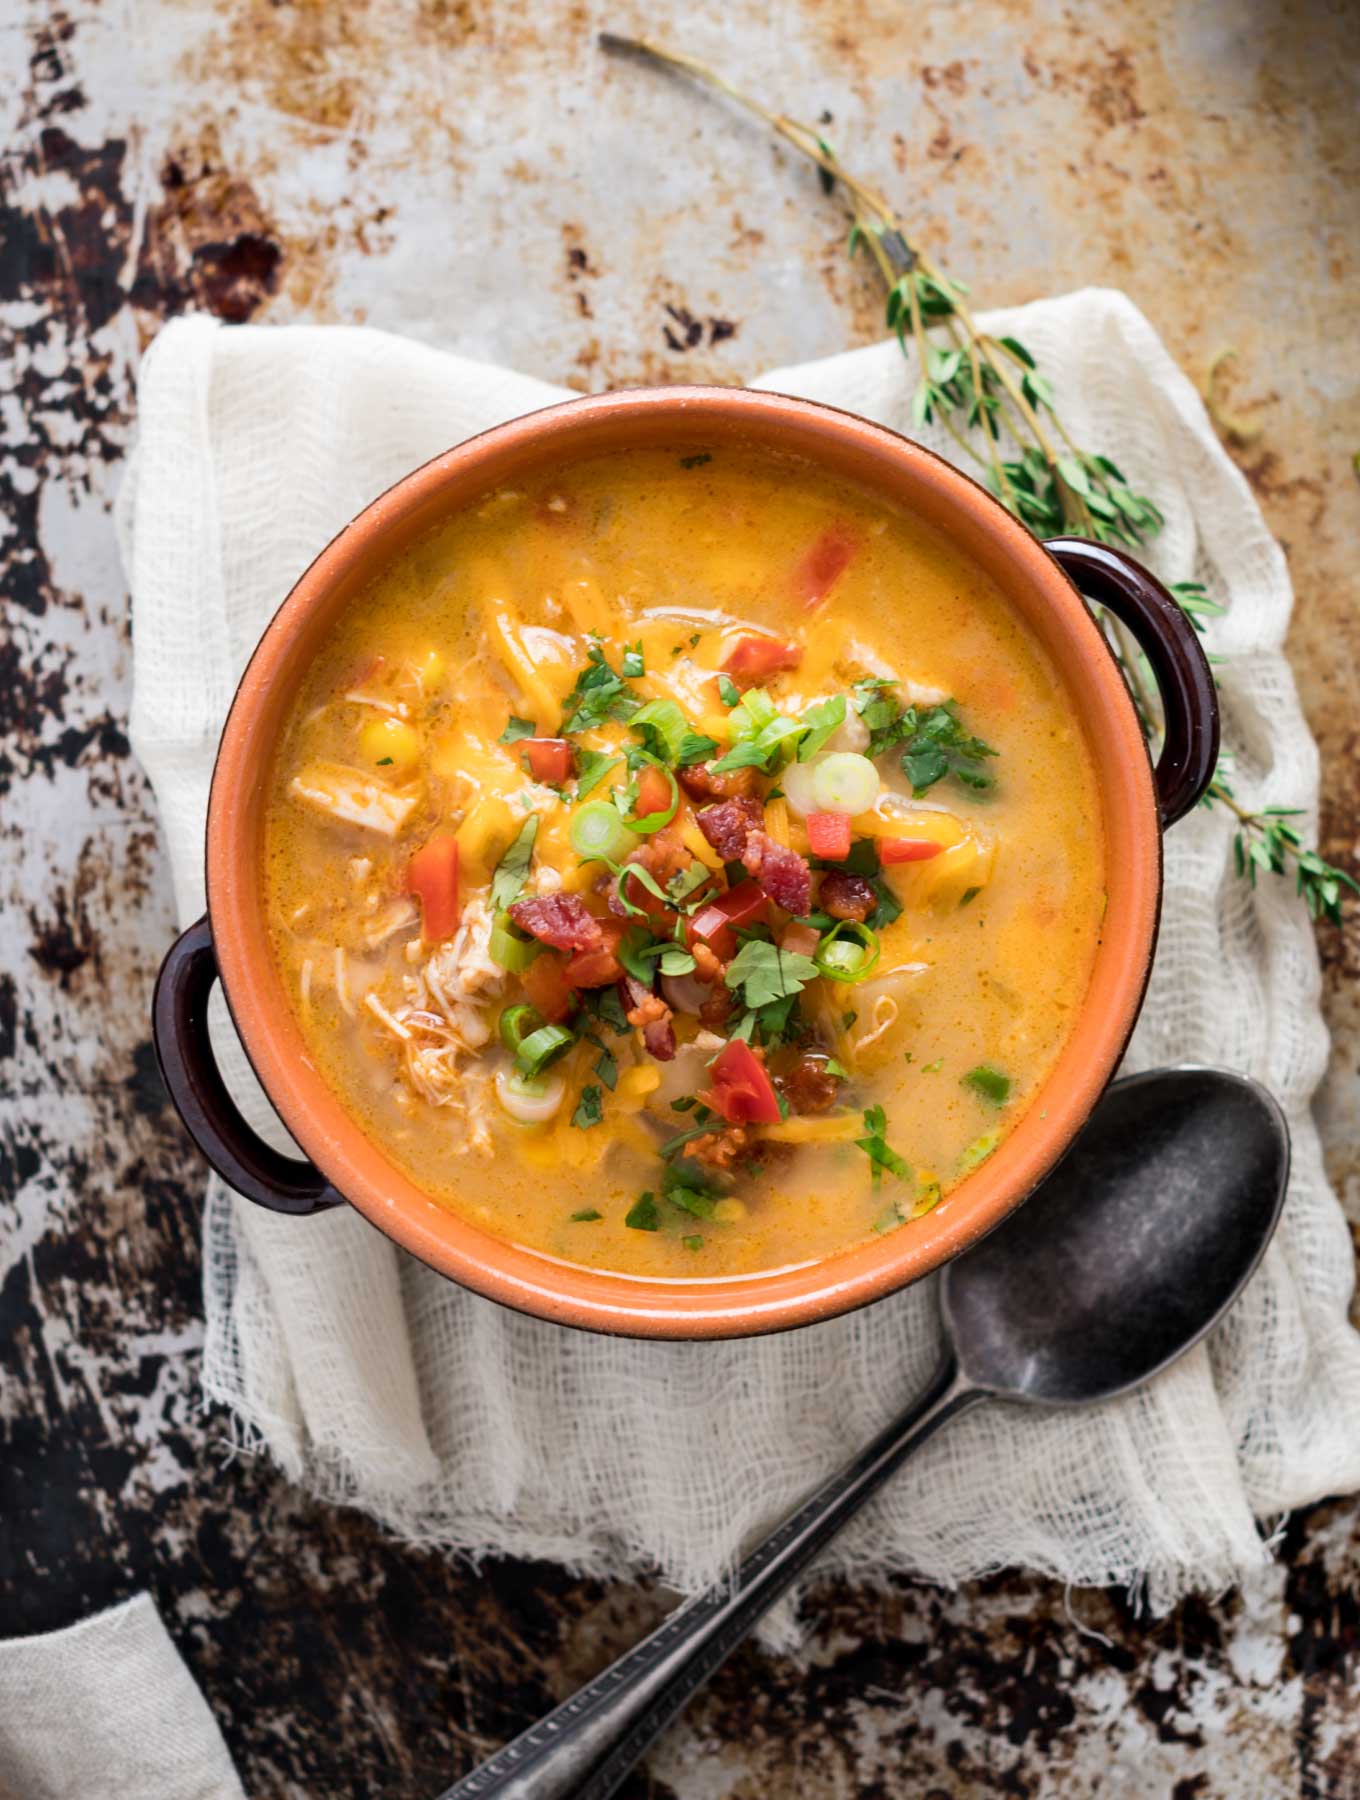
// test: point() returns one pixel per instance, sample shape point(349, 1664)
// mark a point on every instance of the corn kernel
point(636, 1083)
point(390, 743)
point(430, 669)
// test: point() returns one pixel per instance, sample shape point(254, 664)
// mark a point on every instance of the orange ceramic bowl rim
point(844, 445)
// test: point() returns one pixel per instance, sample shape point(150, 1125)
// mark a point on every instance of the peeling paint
point(475, 175)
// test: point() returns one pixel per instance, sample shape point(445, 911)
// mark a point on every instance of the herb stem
point(1047, 491)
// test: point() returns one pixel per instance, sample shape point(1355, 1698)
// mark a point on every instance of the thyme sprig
point(970, 381)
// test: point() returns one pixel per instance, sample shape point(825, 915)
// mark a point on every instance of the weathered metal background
point(474, 173)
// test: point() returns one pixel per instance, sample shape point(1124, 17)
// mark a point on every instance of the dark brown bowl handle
point(1175, 655)
point(179, 1028)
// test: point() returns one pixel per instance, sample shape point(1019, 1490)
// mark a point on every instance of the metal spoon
point(1120, 1262)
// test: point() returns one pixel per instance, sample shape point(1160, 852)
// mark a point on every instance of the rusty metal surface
point(471, 172)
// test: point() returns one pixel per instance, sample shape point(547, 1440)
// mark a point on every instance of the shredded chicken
point(384, 1018)
point(461, 971)
point(397, 708)
point(395, 917)
point(883, 1016)
point(350, 796)
point(342, 982)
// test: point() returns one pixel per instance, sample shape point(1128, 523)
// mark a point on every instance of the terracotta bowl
point(346, 1167)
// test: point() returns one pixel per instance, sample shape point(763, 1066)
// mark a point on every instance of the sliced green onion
point(654, 821)
point(510, 948)
point(989, 1083)
point(848, 952)
point(529, 1100)
point(845, 782)
point(599, 834)
point(542, 1047)
point(516, 1024)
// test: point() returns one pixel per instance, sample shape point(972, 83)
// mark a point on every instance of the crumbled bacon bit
point(561, 920)
point(847, 896)
point(650, 1014)
point(716, 1009)
point(729, 824)
point(707, 966)
point(807, 1086)
point(721, 1150)
point(782, 874)
point(700, 783)
point(663, 856)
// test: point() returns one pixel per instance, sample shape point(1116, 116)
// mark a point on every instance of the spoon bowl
point(1133, 1248)
point(1121, 1261)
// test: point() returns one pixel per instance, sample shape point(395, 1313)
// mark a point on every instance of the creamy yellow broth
point(395, 738)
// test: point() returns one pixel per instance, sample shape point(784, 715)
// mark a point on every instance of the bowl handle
point(1179, 666)
point(179, 1029)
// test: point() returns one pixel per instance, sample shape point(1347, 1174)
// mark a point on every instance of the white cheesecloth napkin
point(376, 1383)
point(106, 1710)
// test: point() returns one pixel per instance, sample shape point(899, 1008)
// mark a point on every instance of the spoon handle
point(588, 1745)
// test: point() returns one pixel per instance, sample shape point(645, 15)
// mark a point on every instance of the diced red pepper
point(823, 564)
point(550, 760)
point(432, 876)
point(756, 659)
point(905, 850)
point(716, 923)
point(654, 792)
point(600, 966)
point(800, 939)
point(547, 988)
point(742, 1092)
point(829, 835)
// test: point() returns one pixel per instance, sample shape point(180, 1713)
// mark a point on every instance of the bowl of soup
point(683, 863)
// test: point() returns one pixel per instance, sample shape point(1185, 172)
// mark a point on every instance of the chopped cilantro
point(686, 1103)
point(600, 693)
point(589, 1108)
point(697, 460)
point(930, 1198)
point(848, 1019)
point(763, 972)
point(933, 1068)
point(662, 727)
point(384, 762)
point(587, 1216)
point(821, 720)
point(834, 1068)
point(695, 748)
point(508, 880)
point(968, 894)
point(607, 1068)
point(676, 962)
point(632, 951)
point(728, 691)
point(758, 731)
point(685, 883)
point(632, 665)
point(692, 1243)
point(644, 1214)
point(515, 730)
point(933, 739)
point(875, 1146)
point(593, 766)
point(607, 1007)
point(935, 743)
point(978, 1151)
point(989, 1083)
point(690, 1200)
